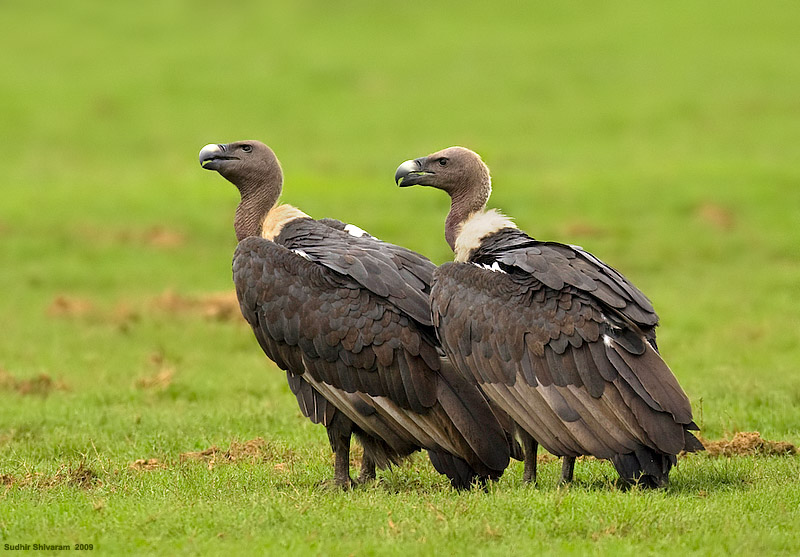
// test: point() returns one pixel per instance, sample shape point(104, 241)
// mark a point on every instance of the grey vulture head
point(456, 170)
point(249, 165)
point(255, 171)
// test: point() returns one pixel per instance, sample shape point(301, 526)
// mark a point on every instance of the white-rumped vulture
point(347, 317)
point(558, 339)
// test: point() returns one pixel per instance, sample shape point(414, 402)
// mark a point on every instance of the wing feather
point(541, 354)
point(358, 347)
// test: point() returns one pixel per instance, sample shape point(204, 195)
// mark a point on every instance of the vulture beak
point(211, 156)
point(410, 173)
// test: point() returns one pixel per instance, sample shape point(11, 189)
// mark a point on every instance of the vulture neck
point(463, 205)
point(263, 216)
point(250, 216)
point(259, 195)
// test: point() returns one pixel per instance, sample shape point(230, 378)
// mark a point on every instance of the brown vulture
point(348, 318)
point(558, 339)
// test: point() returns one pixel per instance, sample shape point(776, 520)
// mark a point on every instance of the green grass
point(665, 139)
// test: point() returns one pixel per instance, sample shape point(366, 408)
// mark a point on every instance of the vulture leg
point(341, 468)
point(367, 473)
point(529, 447)
point(567, 468)
point(339, 431)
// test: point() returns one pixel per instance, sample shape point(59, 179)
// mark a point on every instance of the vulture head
point(254, 169)
point(249, 165)
point(456, 170)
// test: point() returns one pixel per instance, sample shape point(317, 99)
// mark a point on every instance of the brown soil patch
point(124, 315)
point(161, 379)
point(40, 385)
point(255, 450)
point(158, 382)
point(205, 454)
point(748, 443)
point(70, 306)
point(147, 464)
point(162, 237)
point(717, 216)
point(219, 306)
point(582, 228)
point(157, 236)
point(213, 306)
point(81, 476)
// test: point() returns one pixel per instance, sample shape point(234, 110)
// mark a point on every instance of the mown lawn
point(665, 139)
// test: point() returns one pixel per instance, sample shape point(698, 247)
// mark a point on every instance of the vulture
point(347, 316)
point(561, 341)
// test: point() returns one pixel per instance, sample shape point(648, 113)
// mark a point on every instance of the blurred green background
point(663, 137)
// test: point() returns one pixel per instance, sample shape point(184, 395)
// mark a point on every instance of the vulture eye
point(442, 161)
point(247, 148)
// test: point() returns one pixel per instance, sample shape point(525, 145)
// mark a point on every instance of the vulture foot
point(367, 473)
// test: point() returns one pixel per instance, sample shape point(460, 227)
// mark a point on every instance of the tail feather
point(644, 467)
point(488, 444)
point(692, 443)
point(381, 453)
point(460, 474)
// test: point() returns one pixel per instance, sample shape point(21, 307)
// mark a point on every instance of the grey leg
point(339, 432)
point(567, 468)
point(341, 467)
point(367, 473)
point(529, 448)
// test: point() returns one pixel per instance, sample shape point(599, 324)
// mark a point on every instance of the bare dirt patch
point(212, 306)
point(716, 215)
point(582, 228)
point(161, 379)
point(748, 443)
point(147, 464)
point(163, 237)
point(81, 476)
point(217, 306)
point(40, 385)
point(157, 236)
point(158, 382)
point(546, 458)
point(254, 450)
point(70, 306)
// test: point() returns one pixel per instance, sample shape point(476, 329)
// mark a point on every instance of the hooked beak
point(212, 155)
point(410, 173)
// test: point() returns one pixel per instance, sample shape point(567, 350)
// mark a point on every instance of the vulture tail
point(381, 453)
point(644, 467)
point(691, 443)
point(460, 474)
point(489, 444)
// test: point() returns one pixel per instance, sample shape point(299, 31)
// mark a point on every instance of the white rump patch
point(302, 254)
point(353, 230)
point(476, 228)
point(495, 267)
point(607, 340)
